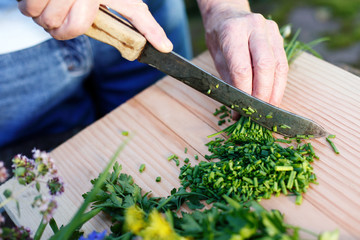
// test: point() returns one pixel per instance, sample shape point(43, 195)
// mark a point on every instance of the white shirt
point(17, 31)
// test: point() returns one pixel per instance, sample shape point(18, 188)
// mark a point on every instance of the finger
point(282, 66)
point(54, 14)
point(32, 8)
point(77, 21)
point(263, 60)
point(137, 12)
point(236, 53)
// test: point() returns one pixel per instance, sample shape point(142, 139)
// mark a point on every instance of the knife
point(113, 30)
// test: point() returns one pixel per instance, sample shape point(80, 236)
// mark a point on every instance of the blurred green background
point(337, 19)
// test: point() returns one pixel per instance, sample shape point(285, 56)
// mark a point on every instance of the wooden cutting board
point(170, 116)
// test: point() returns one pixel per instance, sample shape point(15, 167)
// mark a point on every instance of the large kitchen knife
point(114, 31)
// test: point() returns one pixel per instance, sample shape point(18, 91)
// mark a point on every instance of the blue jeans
point(59, 85)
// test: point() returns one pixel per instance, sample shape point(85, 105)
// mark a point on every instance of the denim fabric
point(59, 85)
point(41, 89)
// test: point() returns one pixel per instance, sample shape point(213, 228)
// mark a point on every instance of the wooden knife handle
point(113, 30)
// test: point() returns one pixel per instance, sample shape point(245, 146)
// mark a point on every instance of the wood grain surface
point(170, 116)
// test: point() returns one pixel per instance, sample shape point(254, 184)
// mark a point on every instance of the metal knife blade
point(287, 123)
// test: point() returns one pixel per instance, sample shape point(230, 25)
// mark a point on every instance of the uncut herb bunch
point(139, 216)
point(251, 166)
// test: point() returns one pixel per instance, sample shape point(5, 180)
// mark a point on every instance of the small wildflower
point(3, 173)
point(56, 186)
point(46, 163)
point(48, 213)
point(23, 169)
point(158, 228)
point(15, 233)
point(94, 236)
point(22, 161)
point(134, 219)
point(46, 207)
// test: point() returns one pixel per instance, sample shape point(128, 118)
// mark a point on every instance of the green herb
point(125, 133)
point(252, 165)
point(284, 168)
point(142, 168)
point(332, 145)
point(275, 128)
point(185, 151)
point(158, 179)
point(269, 116)
point(226, 220)
point(283, 141)
point(196, 157)
point(285, 126)
point(175, 158)
point(186, 160)
point(331, 136)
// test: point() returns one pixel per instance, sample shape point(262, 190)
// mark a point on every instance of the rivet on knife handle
point(112, 30)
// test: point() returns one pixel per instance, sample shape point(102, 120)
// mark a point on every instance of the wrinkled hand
point(247, 49)
point(66, 19)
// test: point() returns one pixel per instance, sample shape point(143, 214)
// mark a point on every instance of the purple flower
point(94, 236)
point(56, 186)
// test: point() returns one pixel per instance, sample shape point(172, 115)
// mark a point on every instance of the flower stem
point(40, 230)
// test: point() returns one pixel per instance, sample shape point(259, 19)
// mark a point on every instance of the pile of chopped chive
point(252, 166)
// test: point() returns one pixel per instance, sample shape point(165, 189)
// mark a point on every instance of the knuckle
point(265, 64)
point(273, 25)
point(282, 67)
point(52, 22)
point(241, 72)
point(30, 11)
point(257, 19)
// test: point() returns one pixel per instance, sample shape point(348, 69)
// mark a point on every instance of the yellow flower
point(158, 228)
point(134, 219)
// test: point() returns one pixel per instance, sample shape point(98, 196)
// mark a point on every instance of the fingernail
point(167, 46)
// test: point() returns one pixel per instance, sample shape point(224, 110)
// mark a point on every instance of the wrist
point(212, 9)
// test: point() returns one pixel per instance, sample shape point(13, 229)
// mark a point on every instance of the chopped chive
point(185, 150)
point(171, 157)
point(224, 115)
point(177, 161)
point(186, 160)
point(331, 136)
point(284, 168)
point(290, 182)
point(196, 157)
point(217, 86)
point(251, 109)
point(209, 91)
point(283, 187)
point(285, 126)
point(158, 179)
point(275, 128)
point(142, 168)
point(283, 141)
point(125, 133)
point(269, 116)
point(333, 146)
point(298, 200)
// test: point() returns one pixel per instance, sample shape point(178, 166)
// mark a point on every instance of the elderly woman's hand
point(66, 19)
point(247, 48)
